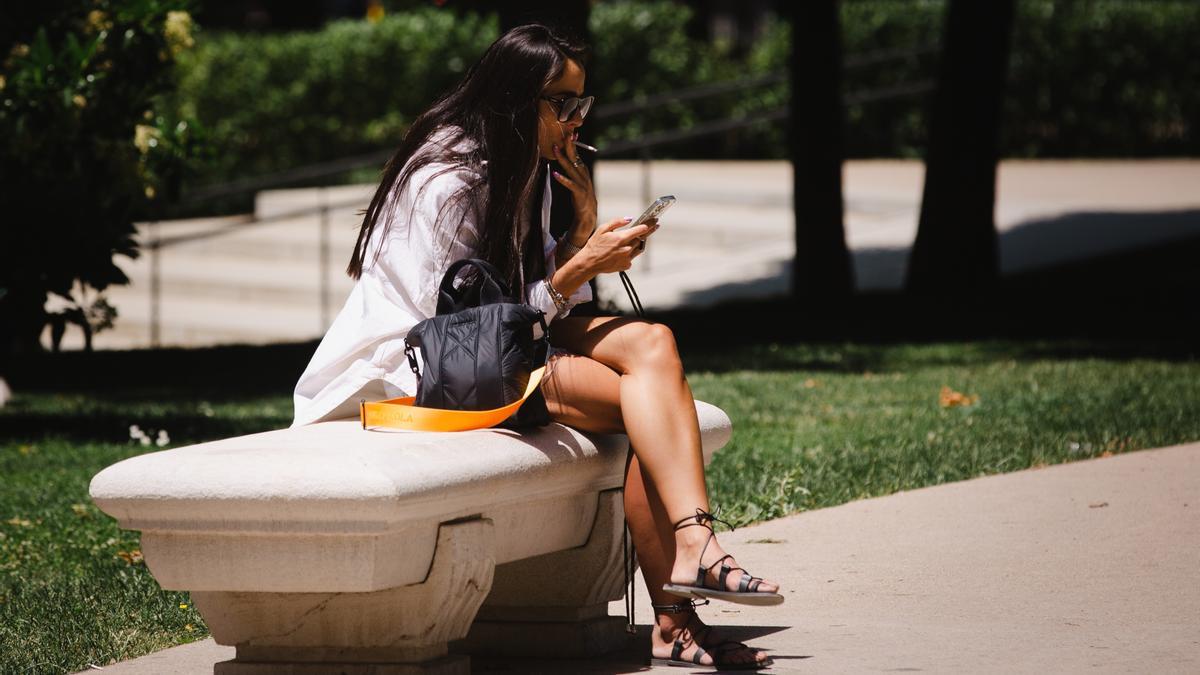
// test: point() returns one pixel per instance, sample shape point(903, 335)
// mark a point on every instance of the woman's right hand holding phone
point(611, 249)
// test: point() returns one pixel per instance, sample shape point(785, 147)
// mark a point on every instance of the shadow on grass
point(228, 373)
point(112, 426)
point(95, 397)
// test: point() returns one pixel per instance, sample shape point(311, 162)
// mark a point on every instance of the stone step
point(197, 321)
point(291, 239)
point(284, 280)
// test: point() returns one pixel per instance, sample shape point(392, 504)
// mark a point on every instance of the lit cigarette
point(585, 146)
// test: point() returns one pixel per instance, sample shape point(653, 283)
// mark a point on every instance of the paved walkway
point(1091, 567)
point(730, 235)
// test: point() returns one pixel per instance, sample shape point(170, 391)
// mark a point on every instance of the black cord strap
point(681, 607)
point(634, 300)
point(627, 548)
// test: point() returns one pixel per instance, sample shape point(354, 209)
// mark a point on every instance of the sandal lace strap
point(702, 574)
point(703, 518)
point(680, 645)
point(686, 605)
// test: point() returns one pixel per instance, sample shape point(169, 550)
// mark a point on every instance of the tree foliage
point(84, 150)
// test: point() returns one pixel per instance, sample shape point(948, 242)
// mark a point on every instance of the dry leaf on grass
point(948, 398)
point(130, 557)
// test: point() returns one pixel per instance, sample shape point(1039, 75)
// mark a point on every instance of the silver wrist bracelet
point(559, 301)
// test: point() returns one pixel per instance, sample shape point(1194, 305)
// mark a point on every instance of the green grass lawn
point(814, 425)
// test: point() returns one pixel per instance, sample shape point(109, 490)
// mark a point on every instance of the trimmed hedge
point(276, 101)
point(1087, 78)
point(1104, 77)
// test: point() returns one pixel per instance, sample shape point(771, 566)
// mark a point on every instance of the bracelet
point(559, 301)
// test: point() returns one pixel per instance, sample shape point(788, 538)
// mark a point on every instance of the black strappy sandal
point(747, 592)
point(719, 652)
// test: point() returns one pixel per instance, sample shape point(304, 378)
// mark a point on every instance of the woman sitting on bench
point(465, 183)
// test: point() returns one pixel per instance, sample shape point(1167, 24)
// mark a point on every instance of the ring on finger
point(641, 244)
point(575, 163)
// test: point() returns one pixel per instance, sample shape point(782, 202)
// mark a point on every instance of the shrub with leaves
point(277, 101)
point(83, 152)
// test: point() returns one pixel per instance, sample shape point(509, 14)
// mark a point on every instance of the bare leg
point(656, 410)
point(652, 403)
point(655, 542)
point(584, 394)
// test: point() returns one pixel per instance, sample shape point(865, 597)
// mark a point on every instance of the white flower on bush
point(145, 137)
point(137, 435)
point(177, 29)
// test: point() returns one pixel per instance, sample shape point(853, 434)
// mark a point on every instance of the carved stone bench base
point(556, 605)
point(397, 630)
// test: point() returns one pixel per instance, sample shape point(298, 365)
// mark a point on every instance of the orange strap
point(400, 413)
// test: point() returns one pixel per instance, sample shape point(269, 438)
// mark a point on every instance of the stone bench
point(327, 546)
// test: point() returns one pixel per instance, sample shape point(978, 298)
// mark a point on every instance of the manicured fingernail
point(627, 218)
point(556, 174)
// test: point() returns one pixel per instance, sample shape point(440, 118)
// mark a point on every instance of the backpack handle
point(493, 289)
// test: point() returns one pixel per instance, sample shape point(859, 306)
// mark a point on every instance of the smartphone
point(653, 211)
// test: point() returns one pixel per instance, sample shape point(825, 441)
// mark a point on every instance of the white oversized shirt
point(362, 353)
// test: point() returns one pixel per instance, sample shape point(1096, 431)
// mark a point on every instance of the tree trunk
point(822, 266)
point(956, 250)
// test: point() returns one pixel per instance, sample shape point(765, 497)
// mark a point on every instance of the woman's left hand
point(576, 178)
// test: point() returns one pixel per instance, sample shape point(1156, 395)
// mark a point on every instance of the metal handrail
point(308, 172)
point(701, 129)
point(729, 86)
point(167, 242)
point(687, 94)
point(883, 55)
point(894, 91)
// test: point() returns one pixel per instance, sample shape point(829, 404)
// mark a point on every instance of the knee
point(656, 347)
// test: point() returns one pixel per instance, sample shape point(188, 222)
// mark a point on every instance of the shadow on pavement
point(1048, 244)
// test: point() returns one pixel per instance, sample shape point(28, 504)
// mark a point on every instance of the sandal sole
point(757, 599)
point(700, 666)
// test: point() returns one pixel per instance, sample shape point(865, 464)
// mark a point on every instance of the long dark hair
point(495, 108)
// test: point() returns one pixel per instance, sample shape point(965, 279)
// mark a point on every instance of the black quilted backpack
point(479, 350)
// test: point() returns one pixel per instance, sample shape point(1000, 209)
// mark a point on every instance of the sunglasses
point(567, 107)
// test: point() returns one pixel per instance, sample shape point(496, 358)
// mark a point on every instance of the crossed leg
point(625, 376)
